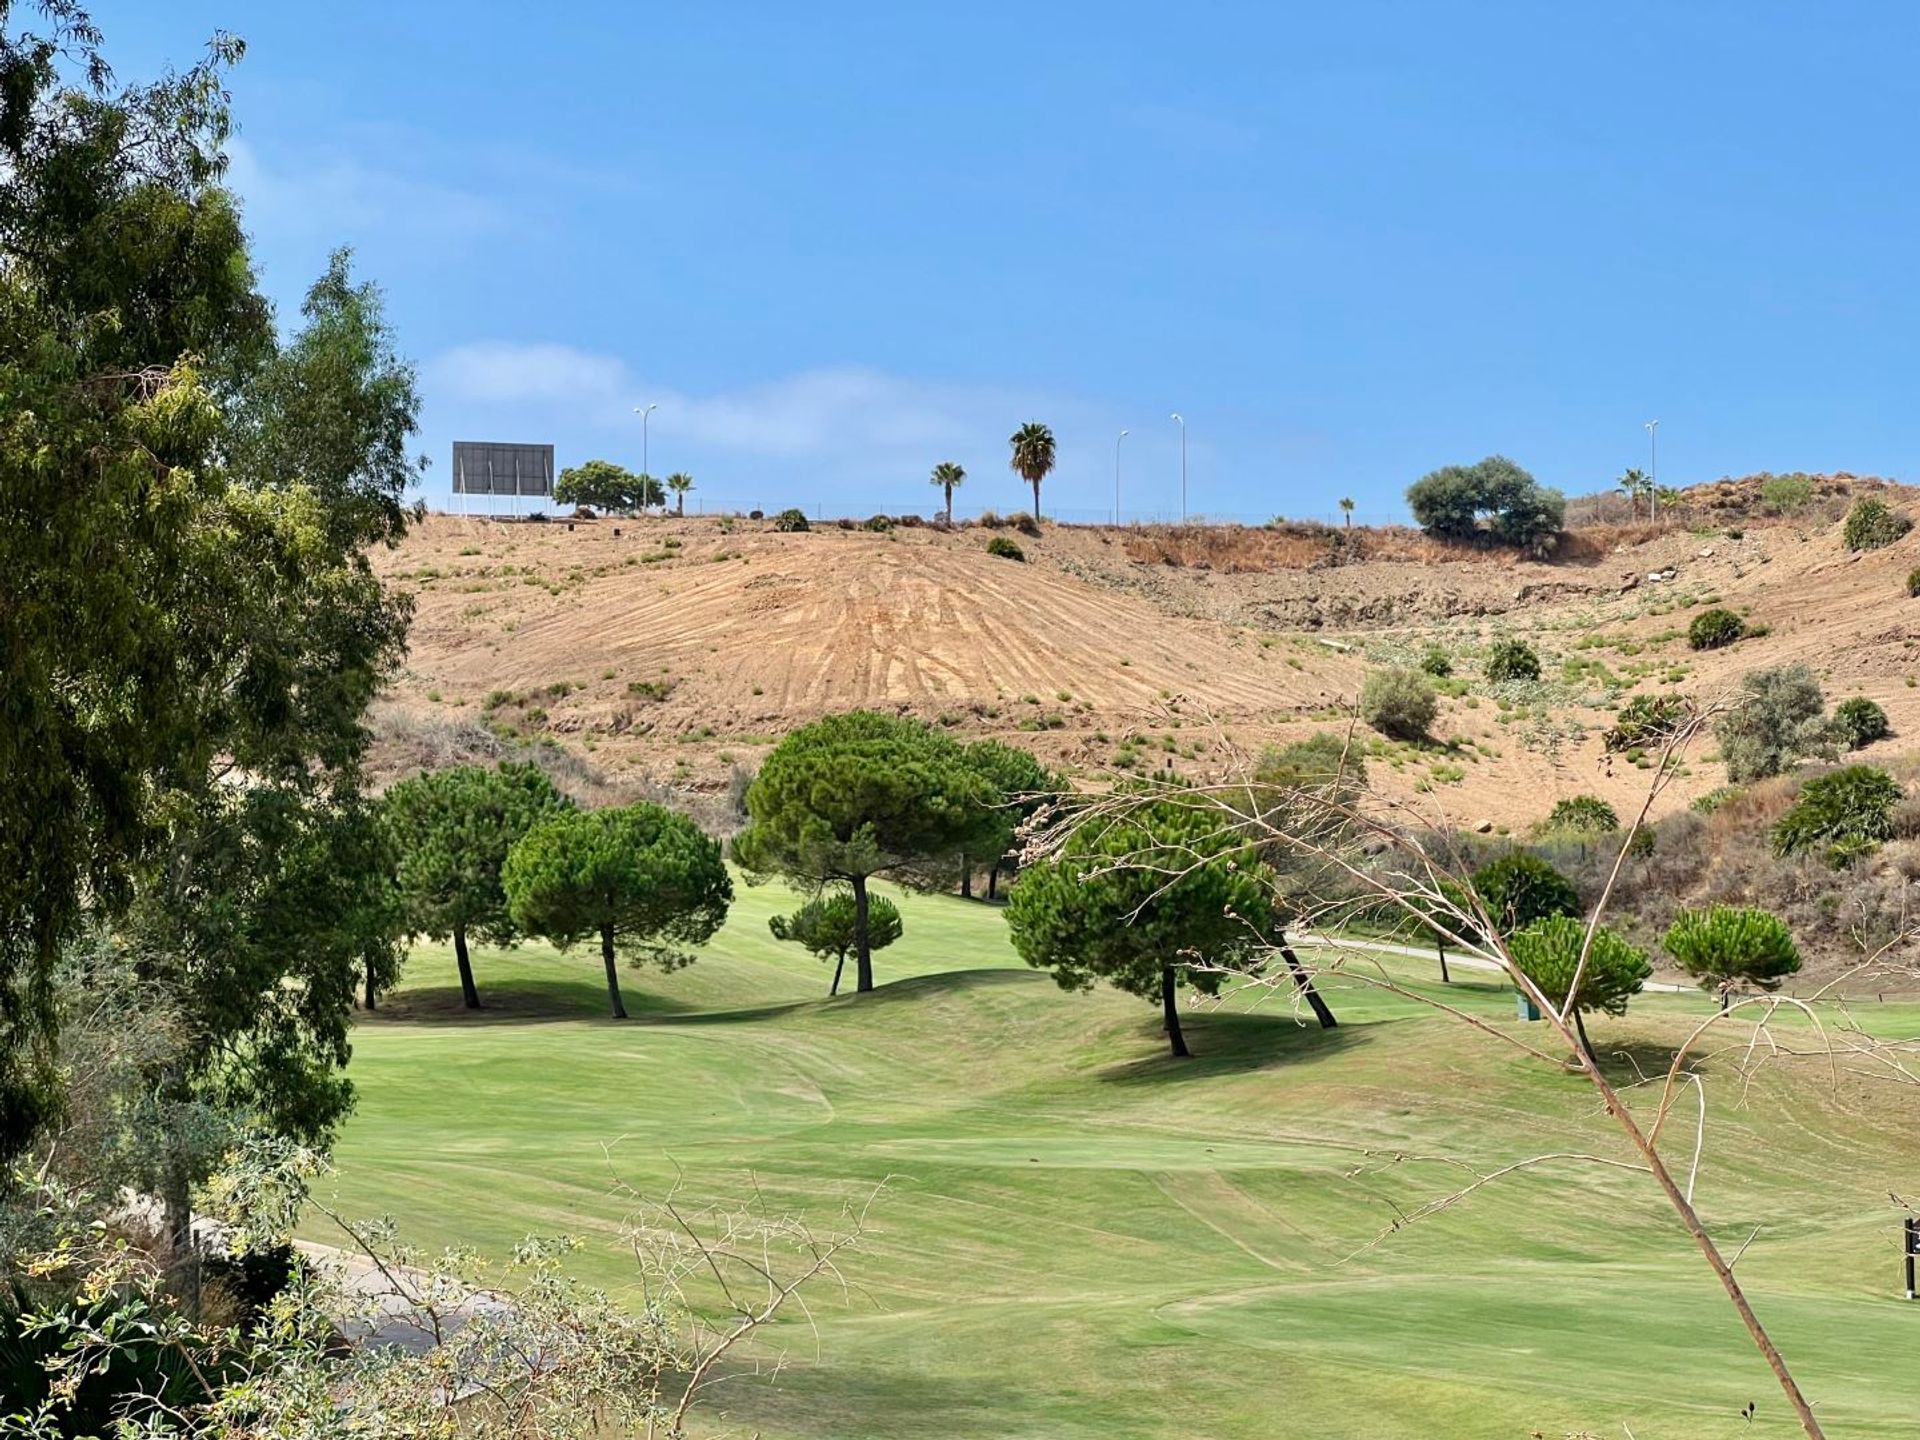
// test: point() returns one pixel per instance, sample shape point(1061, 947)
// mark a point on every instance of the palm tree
point(1633, 485)
point(1033, 455)
point(947, 475)
point(679, 483)
point(1346, 509)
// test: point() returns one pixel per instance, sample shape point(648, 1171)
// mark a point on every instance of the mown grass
point(1078, 1237)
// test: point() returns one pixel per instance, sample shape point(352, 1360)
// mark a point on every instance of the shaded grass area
point(1080, 1237)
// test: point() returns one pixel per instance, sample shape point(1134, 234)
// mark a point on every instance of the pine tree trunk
point(838, 966)
point(371, 997)
point(1170, 1009)
point(993, 881)
point(864, 956)
point(469, 994)
point(1304, 981)
point(613, 972)
point(966, 878)
point(1580, 1029)
point(1445, 978)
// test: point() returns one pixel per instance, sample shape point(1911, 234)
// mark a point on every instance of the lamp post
point(1183, 465)
point(1653, 465)
point(645, 472)
point(1116, 475)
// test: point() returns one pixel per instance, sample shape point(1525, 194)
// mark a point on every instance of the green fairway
point(1080, 1237)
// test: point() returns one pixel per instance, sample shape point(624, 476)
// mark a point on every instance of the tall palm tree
point(1033, 456)
point(679, 483)
point(947, 475)
point(1346, 509)
point(1633, 485)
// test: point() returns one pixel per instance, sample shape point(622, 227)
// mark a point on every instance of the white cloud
point(339, 194)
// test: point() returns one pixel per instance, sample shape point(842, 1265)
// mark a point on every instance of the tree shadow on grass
point(1225, 1043)
point(522, 1002)
point(1629, 1062)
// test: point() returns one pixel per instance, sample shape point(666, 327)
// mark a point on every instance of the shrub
point(1913, 583)
point(1519, 511)
point(791, 521)
point(1847, 812)
point(1711, 801)
point(1005, 548)
point(756, 515)
point(1727, 943)
point(1715, 630)
point(1519, 888)
point(1871, 525)
point(1786, 494)
point(879, 524)
point(1582, 815)
point(1436, 662)
point(1779, 721)
point(1645, 721)
point(1323, 760)
point(1024, 523)
point(1399, 703)
point(1512, 660)
point(1859, 722)
point(1548, 953)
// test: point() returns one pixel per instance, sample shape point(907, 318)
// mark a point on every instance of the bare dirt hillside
point(674, 650)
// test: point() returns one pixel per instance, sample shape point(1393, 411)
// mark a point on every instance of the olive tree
point(452, 830)
point(642, 878)
point(858, 795)
point(828, 925)
point(1133, 898)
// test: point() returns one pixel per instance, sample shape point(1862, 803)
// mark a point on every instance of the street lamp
point(1116, 475)
point(1652, 428)
point(646, 473)
point(1183, 465)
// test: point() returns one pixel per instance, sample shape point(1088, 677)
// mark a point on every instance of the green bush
point(1846, 813)
point(1786, 494)
point(1779, 721)
point(1450, 503)
point(1436, 662)
point(1322, 761)
point(1711, 801)
point(1913, 583)
point(1728, 943)
point(1399, 703)
point(1581, 815)
point(1871, 525)
point(1512, 660)
point(791, 521)
point(1644, 722)
point(1715, 630)
point(1518, 889)
point(1548, 953)
point(879, 524)
point(1005, 548)
point(1859, 722)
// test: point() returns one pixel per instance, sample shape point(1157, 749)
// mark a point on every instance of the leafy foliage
point(1913, 583)
point(1016, 787)
point(1846, 812)
point(1006, 548)
point(1323, 760)
point(1130, 899)
point(607, 486)
point(1582, 815)
point(1779, 721)
point(1786, 494)
point(1451, 503)
point(1032, 459)
point(1715, 630)
point(1548, 953)
point(1518, 888)
point(1728, 944)
point(1859, 722)
point(1436, 662)
point(791, 521)
point(1871, 524)
point(1399, 703)
point(1645, 721)
point(1512, 659)
point(641, 877)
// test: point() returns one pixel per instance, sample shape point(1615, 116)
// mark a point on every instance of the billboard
point(487, 467)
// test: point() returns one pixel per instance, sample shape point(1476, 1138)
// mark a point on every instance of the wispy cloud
point(343, 194)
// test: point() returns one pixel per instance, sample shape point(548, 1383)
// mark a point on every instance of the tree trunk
point(966, 878)
point(864, 956)
point(371, 997)
point(1036, 502)
point(993, 881)
point(1445, 978)
point(469, 995)
point(1170, 1008)
point(838, 966)
point(613, 972)
point(1304, 981)
point(680, 503)
point(1580, 1028)
point(949, 507)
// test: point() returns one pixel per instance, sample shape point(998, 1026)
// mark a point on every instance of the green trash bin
point(1525, 1006)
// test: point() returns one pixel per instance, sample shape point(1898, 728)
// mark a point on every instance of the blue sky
point(837, 243)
